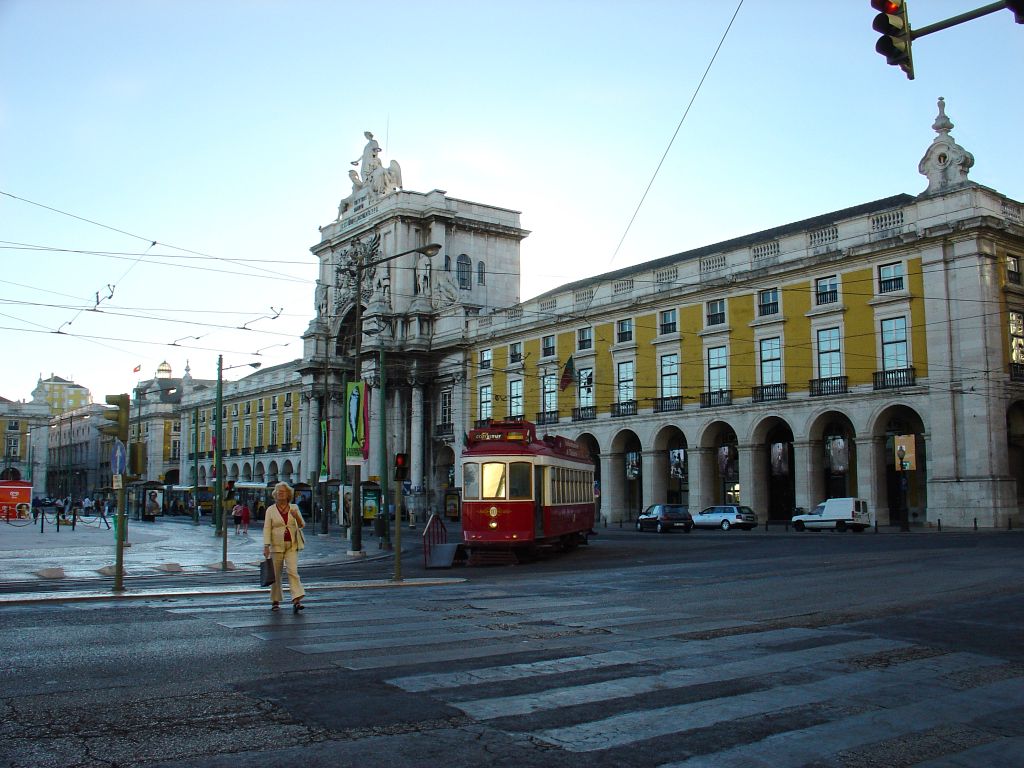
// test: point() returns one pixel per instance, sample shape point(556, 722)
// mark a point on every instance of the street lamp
point(218, 487)
point(430, 250)
point(901, 454)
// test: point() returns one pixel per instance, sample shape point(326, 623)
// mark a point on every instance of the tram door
point(538, 502)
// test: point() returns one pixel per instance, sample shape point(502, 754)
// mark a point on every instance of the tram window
point(520, 485)
point(493, 486)
point(471, 481)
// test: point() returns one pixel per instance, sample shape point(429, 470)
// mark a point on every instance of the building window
point(485, 359)
point(768, 302)
point(667, 322)
point(247, 436)
point(248, 407)
point(288, 400)
point(1017, 337)
point(13, 447)
point(259, 435)
point(894, 344)
point(716, 312)
point(515, 352)
point(464, 272)
point(234, 409)
point(14, 426)
point(585, 387)
point(547, 346)
point(485, 402)
point(585, 338)
point(669, 375)
point(202, 440)
point(447, 263)
point(259, 406)
point(288, 430)
point(830, 363)
point(176, 427)
point(1013, 269)
point(273, 433)
point(446, 406)
point(718, 369)
point(234, 437)
point(770, 351)
point(481, 273)
point(549, 393)
point(273, 402)
point(175, 450)
point(624, 330)
point(826, 290)
point(626, 382)
point(890, 278)
point(515, 398)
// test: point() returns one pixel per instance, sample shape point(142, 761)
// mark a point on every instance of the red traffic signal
point(894, 25)
point(401, 466)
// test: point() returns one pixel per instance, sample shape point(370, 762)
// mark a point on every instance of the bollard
point(74, 518)
point(940, 523)
point(975, 523)
point(876, 525)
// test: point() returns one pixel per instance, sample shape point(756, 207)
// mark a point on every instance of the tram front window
point(520, 480)
point(493, 485)
point(471, 481)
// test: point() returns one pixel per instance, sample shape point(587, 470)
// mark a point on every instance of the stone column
point(871, 476)
point(416, 437)
point(753, 477)
point(613, 501)
point(652, 477)
point(701, 467)
point(808, 486)
point(311, 439)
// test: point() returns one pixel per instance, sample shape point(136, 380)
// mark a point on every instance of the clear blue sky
point(223, 131)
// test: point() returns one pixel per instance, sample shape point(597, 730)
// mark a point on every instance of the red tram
point(518, 491)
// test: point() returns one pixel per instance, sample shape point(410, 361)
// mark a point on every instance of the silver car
point(726, 516)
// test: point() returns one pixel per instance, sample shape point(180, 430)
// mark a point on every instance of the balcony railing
point(768, 308)
point(897, 377)
point(890, 284)
point(1013, 277)
point(444, 430)
point(768, 392)
point(547, 417)
point(625, 408)
point(716, 318)
point(482, 423)
point(671, 403)
point(832, 385)
point(584, 413)
point(826, 297)
point(1016, 371)
point(716, 398)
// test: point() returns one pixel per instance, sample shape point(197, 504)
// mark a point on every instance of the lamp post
point(195, 466)
point(430, 250)
point(218, 439)
point(901, 454)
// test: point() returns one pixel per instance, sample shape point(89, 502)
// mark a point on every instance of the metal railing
point(898, 377)
point(768, 392)
point(831, 385)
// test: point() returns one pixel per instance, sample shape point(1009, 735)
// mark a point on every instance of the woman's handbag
point(267, 572)
point(300, 540)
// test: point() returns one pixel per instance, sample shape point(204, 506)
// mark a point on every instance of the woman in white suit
point(282, 540)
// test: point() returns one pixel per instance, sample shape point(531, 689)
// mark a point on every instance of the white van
point(840, 514)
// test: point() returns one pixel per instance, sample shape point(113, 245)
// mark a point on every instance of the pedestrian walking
point(236, 517)
point(282, 540)
point(246, 514)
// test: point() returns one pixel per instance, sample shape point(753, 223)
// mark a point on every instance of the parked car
point(839, 514)
point(726, 516)
point(664, 518)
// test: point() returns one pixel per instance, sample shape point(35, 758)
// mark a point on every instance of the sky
point(165, 164)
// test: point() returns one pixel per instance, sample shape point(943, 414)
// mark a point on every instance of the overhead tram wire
point(676, 133)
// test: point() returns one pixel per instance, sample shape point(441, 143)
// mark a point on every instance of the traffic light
point(894, 25)
point(401, 466)
point(118, 428)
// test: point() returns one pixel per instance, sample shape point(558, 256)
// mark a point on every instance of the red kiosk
point(15, 499)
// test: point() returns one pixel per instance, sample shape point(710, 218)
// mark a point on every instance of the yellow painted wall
point(691, 321)
point(742, 360)
point(797, 345)
point(918, 320)
point(604, 369)
point(860, 357)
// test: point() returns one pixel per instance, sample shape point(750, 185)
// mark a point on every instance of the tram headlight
point(492, 524)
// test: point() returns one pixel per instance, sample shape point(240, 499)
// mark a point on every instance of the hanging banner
point(838, 455)
point(780, 459)
point(357, 418)
point(677, 463)
point(325, 451)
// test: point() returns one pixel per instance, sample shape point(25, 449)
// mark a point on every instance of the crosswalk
point(677, 688)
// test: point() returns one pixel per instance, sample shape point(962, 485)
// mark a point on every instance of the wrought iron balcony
point(826, 297)
point(444, 430)
point(831, 385)
point(1016, 371)
point(768, 392)
point(625, 408)
point(892, 379)
point(890, 284)
point(672, 403)
point(584, 413)
point(716, 398)
point(547, 417)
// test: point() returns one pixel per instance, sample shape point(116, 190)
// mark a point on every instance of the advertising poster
point(357, 417)
point(15, 499)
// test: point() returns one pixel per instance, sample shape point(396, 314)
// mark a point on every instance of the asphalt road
point(709, 649)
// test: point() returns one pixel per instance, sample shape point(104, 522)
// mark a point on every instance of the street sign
point(118, 458)
point(117, 483)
